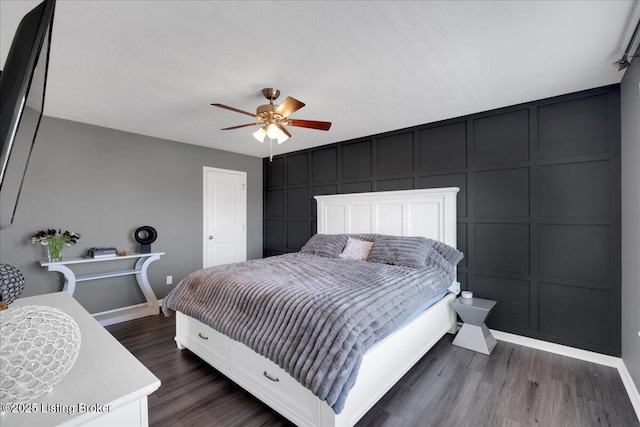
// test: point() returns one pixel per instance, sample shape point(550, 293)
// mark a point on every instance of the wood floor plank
point(514, 386)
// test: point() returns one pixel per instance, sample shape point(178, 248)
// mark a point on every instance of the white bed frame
point(430, 213)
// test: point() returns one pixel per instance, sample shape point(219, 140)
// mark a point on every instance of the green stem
point(55, 248)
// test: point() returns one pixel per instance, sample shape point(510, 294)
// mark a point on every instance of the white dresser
point(107, 386)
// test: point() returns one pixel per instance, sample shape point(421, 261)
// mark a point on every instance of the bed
point(275, 380)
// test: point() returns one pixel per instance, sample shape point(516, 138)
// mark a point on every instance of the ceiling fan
point(273, 118)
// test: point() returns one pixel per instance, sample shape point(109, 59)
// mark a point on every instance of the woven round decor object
point(38, 347)
point(11, 283)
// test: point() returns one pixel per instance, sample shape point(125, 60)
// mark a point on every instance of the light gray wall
point(630, 99)
point(105, 183)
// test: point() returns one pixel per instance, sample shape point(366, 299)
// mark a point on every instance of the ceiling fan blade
point(243, 126)
point(311, 124)
point(283, 129)
point(226, 107)
point(289, 105)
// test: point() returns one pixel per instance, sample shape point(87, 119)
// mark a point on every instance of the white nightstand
point(474, 334)
point(107, 386)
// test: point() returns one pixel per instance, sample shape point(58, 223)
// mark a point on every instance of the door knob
point(210, 237)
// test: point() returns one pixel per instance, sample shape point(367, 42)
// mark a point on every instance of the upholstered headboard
point(430, 213)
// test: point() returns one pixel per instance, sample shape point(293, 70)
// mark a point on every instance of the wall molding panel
point(538, 208)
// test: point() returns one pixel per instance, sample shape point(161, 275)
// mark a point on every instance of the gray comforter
point(313, 316)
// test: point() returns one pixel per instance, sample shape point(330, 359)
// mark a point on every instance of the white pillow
point(356, 249)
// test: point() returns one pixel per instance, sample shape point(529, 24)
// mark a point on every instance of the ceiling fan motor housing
point(271, 93)
point(266, 109)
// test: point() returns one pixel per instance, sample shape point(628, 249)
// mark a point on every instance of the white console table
point(107, 385)
point(140, 271)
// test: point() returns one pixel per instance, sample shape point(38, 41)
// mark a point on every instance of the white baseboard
point(632, 390)
point(576, 353)
point(122, 314)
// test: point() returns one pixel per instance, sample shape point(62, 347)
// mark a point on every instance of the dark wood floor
point(450, 386)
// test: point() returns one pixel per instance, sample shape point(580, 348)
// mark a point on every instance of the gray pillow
point(325, 245)
point(401, 250)
point(451, 255)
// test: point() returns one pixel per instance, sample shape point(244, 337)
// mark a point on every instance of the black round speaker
point(145, 235)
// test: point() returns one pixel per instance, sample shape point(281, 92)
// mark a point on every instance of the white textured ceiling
point(154, 67)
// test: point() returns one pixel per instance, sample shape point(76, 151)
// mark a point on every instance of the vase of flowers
point(55, 241)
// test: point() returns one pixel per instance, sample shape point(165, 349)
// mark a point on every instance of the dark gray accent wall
point(538, 210)
point(105, 183)
point(630, 100)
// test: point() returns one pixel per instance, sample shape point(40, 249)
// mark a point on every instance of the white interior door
point(225, 216)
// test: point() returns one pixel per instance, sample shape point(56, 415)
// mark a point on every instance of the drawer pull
point(202, 336)
point(274, 379)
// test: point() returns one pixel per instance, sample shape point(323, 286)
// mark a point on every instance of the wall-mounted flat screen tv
point(22, 88)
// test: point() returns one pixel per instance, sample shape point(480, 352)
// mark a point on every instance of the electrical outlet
point(169, 280)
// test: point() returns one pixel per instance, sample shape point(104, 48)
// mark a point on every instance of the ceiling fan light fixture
point(260, 134)
point(282, 138)
point(274, 132)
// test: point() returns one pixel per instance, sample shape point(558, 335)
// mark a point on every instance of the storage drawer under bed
point(268, 381)
point(206, 342)
point(254, 372)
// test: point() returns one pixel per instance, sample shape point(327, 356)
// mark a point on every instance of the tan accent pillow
point(356, 249)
